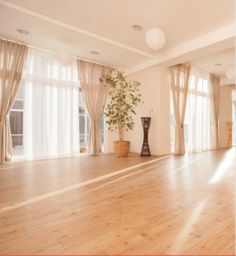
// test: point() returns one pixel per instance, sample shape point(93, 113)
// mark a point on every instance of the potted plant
point(124, 96)
point(83, 149)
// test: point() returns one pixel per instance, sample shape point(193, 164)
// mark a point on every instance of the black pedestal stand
point(146, 124)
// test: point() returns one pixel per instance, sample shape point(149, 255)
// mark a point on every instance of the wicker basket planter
point(121, 148)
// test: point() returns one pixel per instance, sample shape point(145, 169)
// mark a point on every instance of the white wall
point(156, 95)
point(225, 113)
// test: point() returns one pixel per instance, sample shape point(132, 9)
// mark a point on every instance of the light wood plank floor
point(103, 205)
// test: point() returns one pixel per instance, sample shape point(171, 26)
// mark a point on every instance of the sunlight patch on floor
point(187, 228)
point(223, 167)
point(83, 184)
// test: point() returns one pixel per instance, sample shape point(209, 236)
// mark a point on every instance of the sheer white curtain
point(51, 120)
point(198, 119)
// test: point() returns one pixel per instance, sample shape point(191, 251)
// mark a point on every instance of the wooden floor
point(104, 205)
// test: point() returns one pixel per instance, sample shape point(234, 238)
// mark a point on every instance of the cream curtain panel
point(179, 87)
point(12, 58)
point(95, 95)
point(215, 92)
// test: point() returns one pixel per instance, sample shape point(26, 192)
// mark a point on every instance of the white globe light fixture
point(64, 58)
point(155, 38)
point(230, 74)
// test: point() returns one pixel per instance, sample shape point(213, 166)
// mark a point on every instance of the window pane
point(82, 124)
point(18, 104)
point(21, 92)
point(102, 139)
point(16, 122)
point(102, 125)
point(17, 140)
point(197, 123)
point(82, 139)
point(81, 98)
point(88, 124)
point(82, 110)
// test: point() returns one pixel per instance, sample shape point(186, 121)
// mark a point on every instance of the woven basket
point(121, 148)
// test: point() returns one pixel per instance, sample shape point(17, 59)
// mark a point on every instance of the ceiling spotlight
point(218, 64)
point(23, 31)
point(94, 52)
point(155, 38)
point(137, 27)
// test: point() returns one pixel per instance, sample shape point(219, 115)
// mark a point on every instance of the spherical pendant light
point(155, 38)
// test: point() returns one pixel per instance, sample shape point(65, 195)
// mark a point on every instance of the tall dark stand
point(146, 124)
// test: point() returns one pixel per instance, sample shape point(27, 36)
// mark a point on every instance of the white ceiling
point(208, 63)
point(79, 26)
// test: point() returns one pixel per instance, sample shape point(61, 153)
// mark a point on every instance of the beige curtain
point(95, 95)
point(215, 92)
point(179, 87)
point(12, 57)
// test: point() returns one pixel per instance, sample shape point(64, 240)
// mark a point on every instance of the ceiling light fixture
point(137, 27)
point(218, 64)
point(23, 31)
point(94, 52)
point(155, 38)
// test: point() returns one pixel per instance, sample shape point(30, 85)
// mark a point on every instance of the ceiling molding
point(225, 81)
point(220, 35)
point(73, 28)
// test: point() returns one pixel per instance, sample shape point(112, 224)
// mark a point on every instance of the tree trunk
point(121, 133)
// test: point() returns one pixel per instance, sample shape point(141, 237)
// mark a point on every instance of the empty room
point(117, 127)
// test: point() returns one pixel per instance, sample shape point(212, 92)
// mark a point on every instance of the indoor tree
point(124, 96)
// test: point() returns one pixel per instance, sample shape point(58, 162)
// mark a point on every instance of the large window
point(49, 118)
point(198, 117)
point(198, 127)
point(16, 123)
point(84, 124)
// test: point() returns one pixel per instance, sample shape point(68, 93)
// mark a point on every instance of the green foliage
point(124, 97)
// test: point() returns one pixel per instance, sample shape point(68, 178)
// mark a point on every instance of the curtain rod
point(51, 51)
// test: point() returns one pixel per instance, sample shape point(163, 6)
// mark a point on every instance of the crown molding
point(223, 36)
point(72, 28)
point(175, 54)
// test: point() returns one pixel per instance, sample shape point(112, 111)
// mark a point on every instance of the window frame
point(22, 111)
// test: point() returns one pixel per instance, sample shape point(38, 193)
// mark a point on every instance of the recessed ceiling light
point(23, 31)
point(137, 27)
point(94, 52)
point(218, 64)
